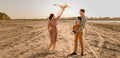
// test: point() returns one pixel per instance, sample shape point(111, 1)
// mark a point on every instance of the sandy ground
point(29, 39)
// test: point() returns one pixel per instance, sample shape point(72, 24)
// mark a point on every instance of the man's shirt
point(82, 23)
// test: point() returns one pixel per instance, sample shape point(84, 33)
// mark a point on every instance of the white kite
point(61, 6)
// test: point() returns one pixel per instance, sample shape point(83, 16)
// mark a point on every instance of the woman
point(52, 27)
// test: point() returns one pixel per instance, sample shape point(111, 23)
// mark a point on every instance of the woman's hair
point(51, 15)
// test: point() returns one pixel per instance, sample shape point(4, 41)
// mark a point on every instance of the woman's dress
point(53, 32)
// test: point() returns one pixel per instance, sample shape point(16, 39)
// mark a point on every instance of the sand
point(30, 39)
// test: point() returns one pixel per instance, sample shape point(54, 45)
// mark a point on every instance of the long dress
point(53, 25)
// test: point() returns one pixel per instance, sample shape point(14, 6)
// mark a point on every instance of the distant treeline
point(104, 18)
point(100, 18)
point(74, 18)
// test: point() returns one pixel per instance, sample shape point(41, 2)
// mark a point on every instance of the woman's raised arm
point(60, 13)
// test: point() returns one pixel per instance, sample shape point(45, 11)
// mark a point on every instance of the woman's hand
point(49, 29)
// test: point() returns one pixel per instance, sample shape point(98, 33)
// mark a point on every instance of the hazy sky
point(42, 8)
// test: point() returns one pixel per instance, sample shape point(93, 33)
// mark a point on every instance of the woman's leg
point(54, 44)
point(51, 41)
point(50, 45)
point(55, 39)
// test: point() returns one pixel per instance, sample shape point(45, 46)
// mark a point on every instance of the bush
point(4, 16)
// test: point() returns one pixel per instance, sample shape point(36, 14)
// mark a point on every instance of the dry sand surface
point(29, 39)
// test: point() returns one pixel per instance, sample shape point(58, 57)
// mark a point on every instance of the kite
point(61, 6)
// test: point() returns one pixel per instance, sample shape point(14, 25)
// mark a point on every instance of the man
point(79, 34)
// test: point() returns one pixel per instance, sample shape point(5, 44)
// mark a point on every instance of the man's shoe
point(73, 53)
point(82, 54)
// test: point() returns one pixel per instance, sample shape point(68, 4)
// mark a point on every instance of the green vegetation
point(4, 16)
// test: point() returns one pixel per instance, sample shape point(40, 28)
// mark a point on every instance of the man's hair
point(82, 10)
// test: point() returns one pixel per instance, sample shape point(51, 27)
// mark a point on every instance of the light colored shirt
point(82, 23)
